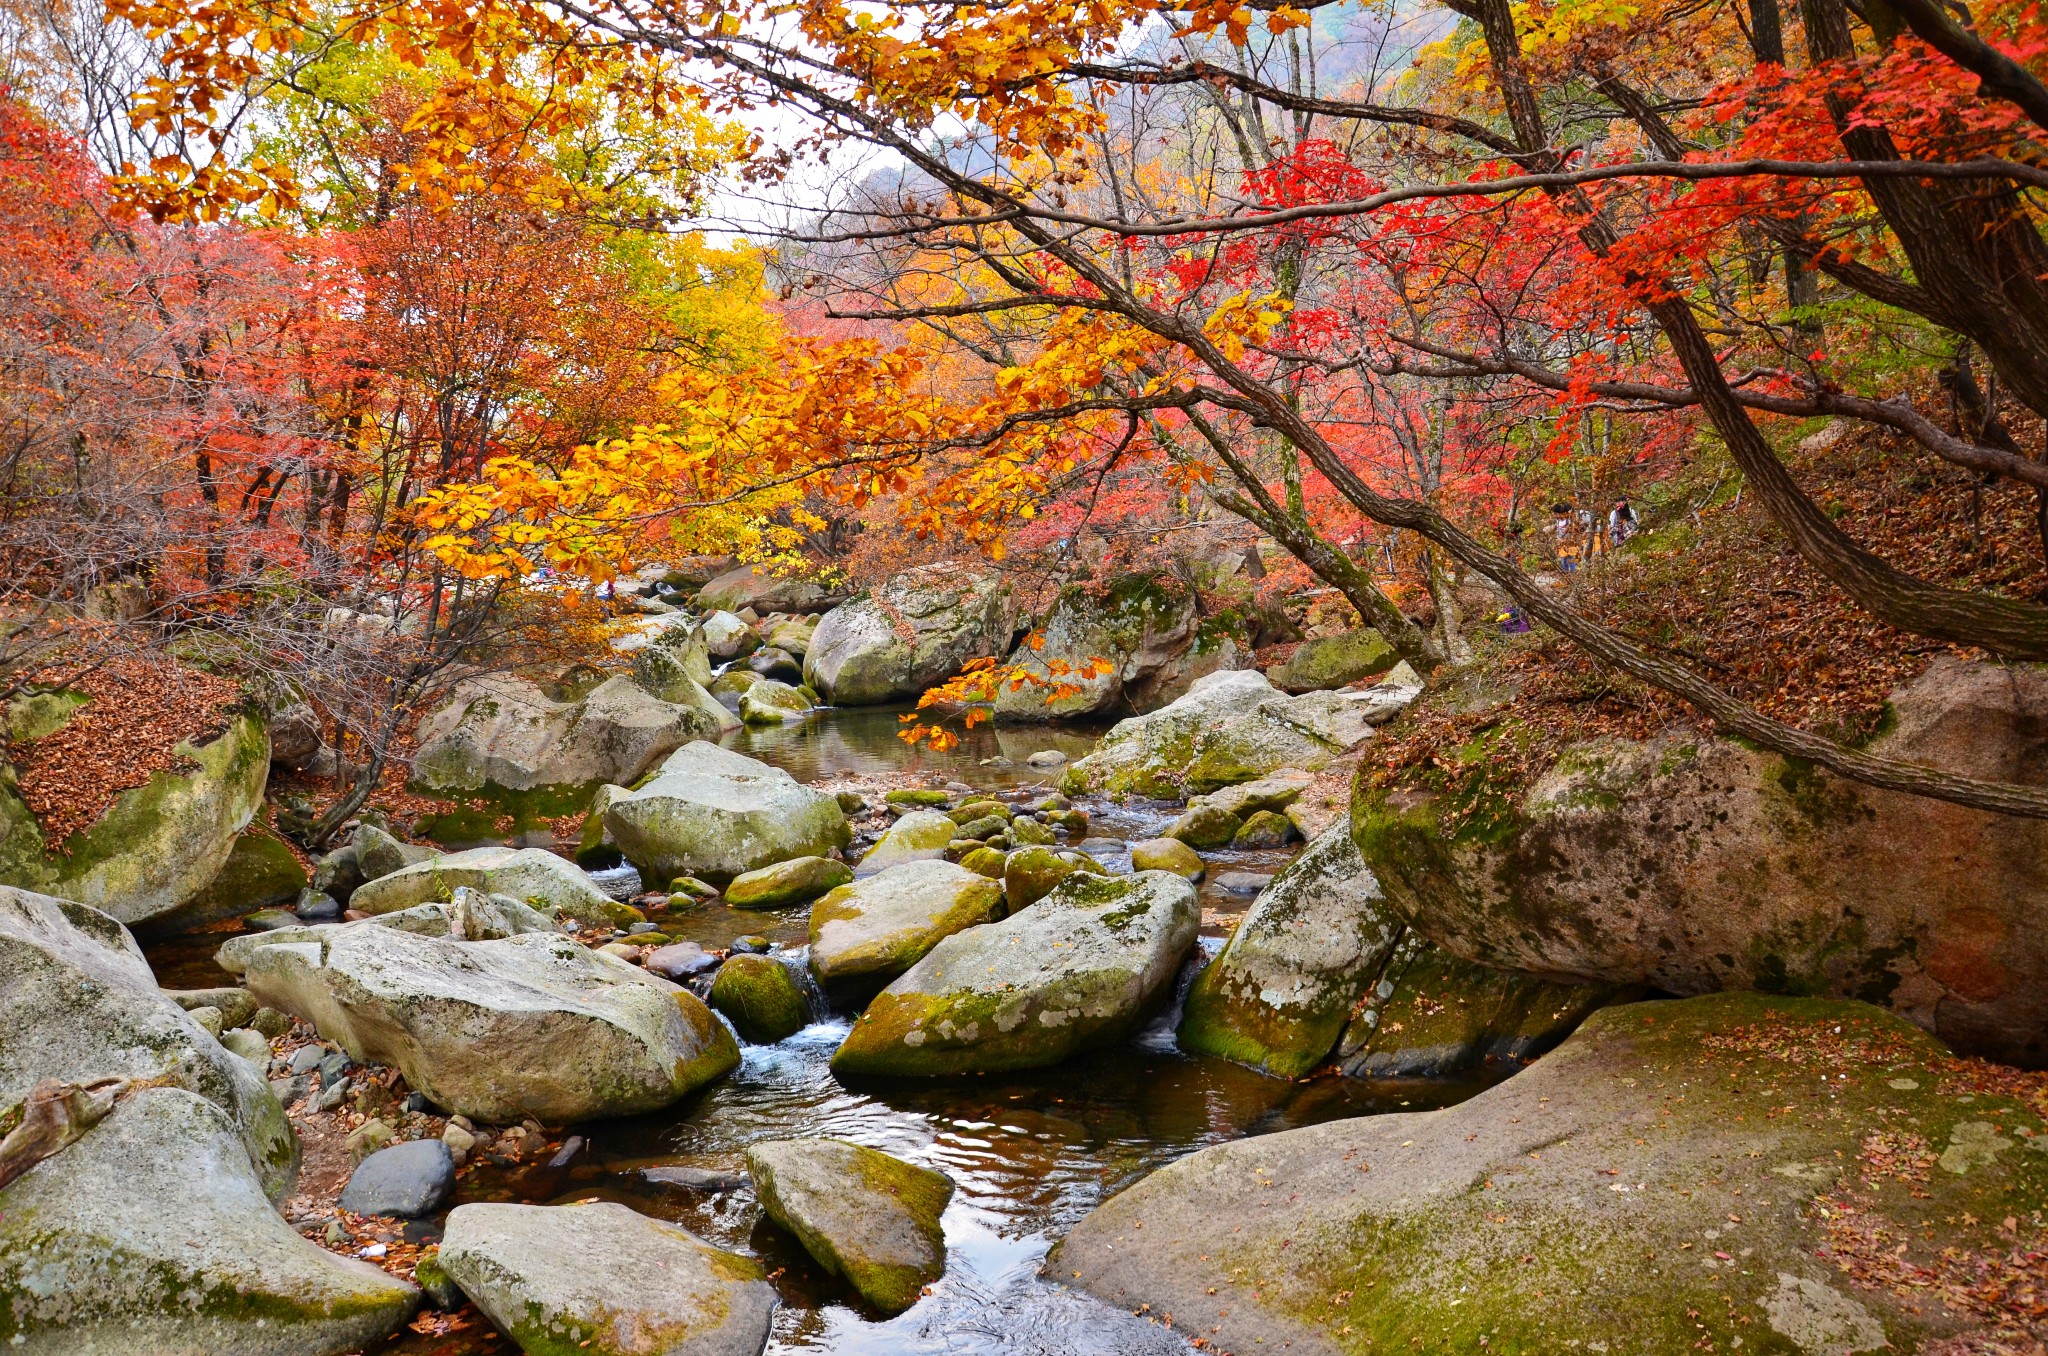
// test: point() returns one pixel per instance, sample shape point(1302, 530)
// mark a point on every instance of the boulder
point(794, 637)
point(1333, 661)
point(676, 652)
point(1230, 727)
point(918, 629)
point(796, 881)
point(760, 588)
point(878, 927)
point(157, 846)
point(553, 885)
point(1205, 826)
point(379, 854)
point(78, 1005)
point(728, 687)
point(474, 916)
point(761, 999)
point(714, 813)
point(691, 573)
point(153, 1233)
point(726, 637)
point(1136, 624)
point(1274, 791)
point(1079, 969)
point(780, 665)
point(1796, 1175)
point(861, 1213)
point(1030, 874)
point(1264, 829)
point(428, 920)
point(535, 1025)
point(1167, 854)
point(407, 1181)
point(501, 736)
point(260, 871)
point(600, 1279)
point(771, 703)
point(295, 736)
point(919, 835)
point(1690, 864)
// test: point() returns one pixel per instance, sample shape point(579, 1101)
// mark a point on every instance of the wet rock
point(153, 1233)
point(406, 1180)
point(1264, 829)
point(780, 665)
point(1666, 1214)
point(1167, 854)
point(679, 961)
point(967, 812)
point(312, 906)
point(920, 835)
point(576, 1278)
point(988, 826)
point(1230, 727)
point(925, 799)
point(1205, 826)
point(796, 881)
point(760, 998)
point(1690, 863)
point(1334, 661)
point(1046, 758)
point(1073, 823)
point(714, 813)
point(916, 630)
point(881, 925)
point(861, 1213)
point(984, 860)
point(1029, 875)
point(534, 1025)
point(545, 882)
point(753, 944)
point(1031, 833)
point(1274, 791)
point(771, 703)
point(1241, 882)
point(1079, 969)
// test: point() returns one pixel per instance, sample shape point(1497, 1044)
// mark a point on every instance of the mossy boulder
point(1205, 826)
point(1230, 727)
point(873, 930)
point(986, 861)
point(378, 854)
point(1134, 625)
point(551, 884)
point(924, 799)
point(1030, 833)
point(917, 836)
point(916, 630)
point(1079, 969)
point(1167, 854)
point(153, 1233)
point(728, 687)
point(796, 881)
point(763, 589)
point(1691, 864)
point(864, 1215)
point(726, 637)
point(677, 651)
point(769, 702)
point(1264, 829)
point(968, 811)
point(1031, 873)
point(260, 871)
point(157, 846)
point(761, 999)
point(600, 1279)
point(714, 813)
point(502, 738)
point(1334, 661)
point(534, 1025)
point(1801, 1175)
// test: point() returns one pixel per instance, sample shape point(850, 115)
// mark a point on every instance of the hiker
point(1621, 521)
point(1561, 536)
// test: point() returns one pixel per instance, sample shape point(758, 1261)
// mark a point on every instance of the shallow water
point(1029, 1153)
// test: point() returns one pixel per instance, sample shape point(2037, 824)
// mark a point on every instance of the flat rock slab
point(535, 1025)
point(152, 1234)
point(407, 1180)
point(533, 876)
point(861, 1213)
point(875, 929)
point(1806, 1175)
point(1079, 969)
point(796, 881)
point(605, 1280)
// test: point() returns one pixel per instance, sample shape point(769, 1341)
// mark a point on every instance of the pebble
point(307, 1058)
point(333, 1097)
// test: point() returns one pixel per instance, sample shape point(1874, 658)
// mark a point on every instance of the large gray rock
point(1230, 727)
point(1079, 969)
point(159, 845)
point(917, 836)
point(379, 854)
point(878, 927)
point(727, 637)
point(1334, 661)
point(769, 702)
point(78, 1004)
point(535, 1025)
point(861, 1213)
point(503, 734)
point(677, 651)
point(714, 813)
point(152, 1233)
point(534, 876)
point(601, 1279)
point(1134, 623)
point(914, 631)
point(428, 920)
point(759, 587)
point(1690, 864)
point(1798, 1175)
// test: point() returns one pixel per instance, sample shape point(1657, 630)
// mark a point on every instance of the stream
point(1029, 1153)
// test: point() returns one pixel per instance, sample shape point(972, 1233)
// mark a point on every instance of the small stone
point(406, 1180)
point(270, 920)
point(416, 1104)
point(988, 826)
point(208, 1018)
point(752, 944)
point(459, 1141)
point(337, 1235)
point(623, 950)
point(333, 1065)
point(1046, 758)
point(1031, 833)
point(1052, 803)
point(1073, 822)
point(270, 1022)
point(680, 960)
point(917, 798)
point(851, 802)
point(692, 888)
point(978, 809)
point(250, 1045)
point(368, 1138)
point(288, 1090)
point(1167, 854)
point(1242, 882)
point(1205, 826)
point(638, 928)
point(761, 999)
point(334, 1096)
point(1265, 829)
point(307, 1058)
point(317, 906)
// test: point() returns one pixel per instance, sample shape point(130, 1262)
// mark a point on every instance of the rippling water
point(1029, 1153)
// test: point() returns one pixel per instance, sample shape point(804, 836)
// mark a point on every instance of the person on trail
point(1566, 549)
point(1621, 522)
